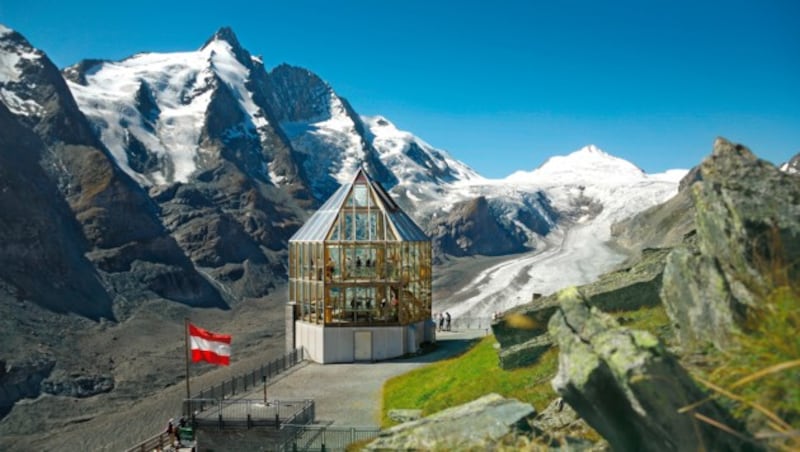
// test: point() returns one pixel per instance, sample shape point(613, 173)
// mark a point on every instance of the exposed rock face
point(661, 226)
point(627, 386)
point(458, 234)
point(522, 331)
point(126, 241)
point(323, 128)
point(299, 95)
point(473, 426)
point(22, 380)
point(228, 226)
point(78, 385)
point(41, 244)
point(748, 218)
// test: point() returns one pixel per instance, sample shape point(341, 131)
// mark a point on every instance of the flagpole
point(186, 356)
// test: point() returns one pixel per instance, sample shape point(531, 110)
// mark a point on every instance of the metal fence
point(246, 382)
point(248, 413)
point(323, 438)
point(157, 442)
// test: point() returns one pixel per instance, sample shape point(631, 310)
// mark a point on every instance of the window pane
point(348, 226)
point(362, 228)
point(360, 195)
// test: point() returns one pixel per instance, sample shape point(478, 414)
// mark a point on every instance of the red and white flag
point(207, 346)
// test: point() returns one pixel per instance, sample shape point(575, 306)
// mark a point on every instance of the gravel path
point(350, 394)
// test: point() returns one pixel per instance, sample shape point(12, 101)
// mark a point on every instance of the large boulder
point(748, 236)
point(473, 426)
point(627, 386)
point(524, 354)
point(631, 287)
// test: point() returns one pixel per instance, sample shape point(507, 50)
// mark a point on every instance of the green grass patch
point(762, 374)
point(653, 319)
point(467, 377)
point(475, 373)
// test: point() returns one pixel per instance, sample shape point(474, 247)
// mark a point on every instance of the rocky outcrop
point(661, 226)
point(626, 385)
point(748, 225)
point(399, 415)
point(232, 227)
point(558, 425)
point(471, 228)
point(631, 287)
point(22, 380)
point(78, 385)
point(524, 354)
point(473, 426)
point(522, 331)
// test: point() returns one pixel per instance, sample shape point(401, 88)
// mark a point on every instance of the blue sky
point(501, 85)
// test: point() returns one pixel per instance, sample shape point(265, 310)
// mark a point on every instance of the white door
point(363, 346)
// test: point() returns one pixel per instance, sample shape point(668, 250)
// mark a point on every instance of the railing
point(249, 380)
point(158, 442)
point(326, 438)
point(249, 413)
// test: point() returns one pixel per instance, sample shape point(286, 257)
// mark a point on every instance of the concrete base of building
point(328, 345)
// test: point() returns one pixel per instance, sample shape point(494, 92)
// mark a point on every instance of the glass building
point(359, 278)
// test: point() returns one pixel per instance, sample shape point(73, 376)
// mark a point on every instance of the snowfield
point(577, 251)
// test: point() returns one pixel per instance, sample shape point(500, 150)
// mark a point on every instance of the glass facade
point(361, 269)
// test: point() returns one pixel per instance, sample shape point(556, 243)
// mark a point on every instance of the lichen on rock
point(627, 386)
point(747, 219)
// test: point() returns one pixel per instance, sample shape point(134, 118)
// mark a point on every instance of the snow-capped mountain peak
point(413, 159)
point(589, 164)
point(160, 142)
point(227, 38)
point(15, 54)
point(224, 34)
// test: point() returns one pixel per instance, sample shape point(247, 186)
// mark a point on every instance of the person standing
point(441, 322)
point(447, 319)
point(170, 431)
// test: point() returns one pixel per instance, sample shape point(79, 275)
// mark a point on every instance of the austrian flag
point(207, 346)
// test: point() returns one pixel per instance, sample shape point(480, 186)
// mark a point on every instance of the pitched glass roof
point(317, 227)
